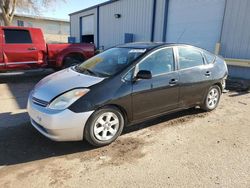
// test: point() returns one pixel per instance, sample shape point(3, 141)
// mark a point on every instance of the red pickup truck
point(25, 48)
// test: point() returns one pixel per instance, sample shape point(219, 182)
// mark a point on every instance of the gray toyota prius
point(122, 86)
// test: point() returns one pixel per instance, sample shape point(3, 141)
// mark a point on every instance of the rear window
point(13, 36)
point(209, 57)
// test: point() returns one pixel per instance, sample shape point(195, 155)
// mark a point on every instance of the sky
point(62, 10)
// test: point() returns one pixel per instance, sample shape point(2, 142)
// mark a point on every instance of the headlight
point(65, 100)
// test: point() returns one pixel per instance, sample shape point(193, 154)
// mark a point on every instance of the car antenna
point(181, 35)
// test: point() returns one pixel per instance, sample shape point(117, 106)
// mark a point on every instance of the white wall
point(136, 18)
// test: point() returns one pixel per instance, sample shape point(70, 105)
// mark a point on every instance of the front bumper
point(62, 125)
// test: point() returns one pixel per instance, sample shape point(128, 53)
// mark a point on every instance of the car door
point(194, 74)
point(18, 48)
point(160, 93)
point(2, 64)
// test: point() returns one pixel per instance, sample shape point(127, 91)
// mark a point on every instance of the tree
point(8, 7)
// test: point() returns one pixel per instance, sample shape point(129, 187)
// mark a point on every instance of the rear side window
point(209, 57)
point(160, 62)
point(189, 57)
point(13, 36)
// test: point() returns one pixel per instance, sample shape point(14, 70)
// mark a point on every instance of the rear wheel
point(104, 126)
point(212, 99)
point(72, 60)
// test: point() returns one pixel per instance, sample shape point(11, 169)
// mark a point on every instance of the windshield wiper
point(90, 72)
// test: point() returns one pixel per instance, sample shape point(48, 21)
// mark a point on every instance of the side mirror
point(144, 74)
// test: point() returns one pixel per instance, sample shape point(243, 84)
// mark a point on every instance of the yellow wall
point(55, 31)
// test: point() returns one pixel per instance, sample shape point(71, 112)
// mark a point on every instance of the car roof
point(151, 45)
point(141, 45)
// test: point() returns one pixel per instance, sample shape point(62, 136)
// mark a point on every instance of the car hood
point(62, 81)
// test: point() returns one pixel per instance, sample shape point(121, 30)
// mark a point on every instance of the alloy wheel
point(212, 98)
point(106, 126)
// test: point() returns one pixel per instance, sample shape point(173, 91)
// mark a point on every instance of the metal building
point(202, 23)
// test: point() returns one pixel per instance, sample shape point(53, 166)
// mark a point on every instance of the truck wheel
point(72, 60)
point(104, 126)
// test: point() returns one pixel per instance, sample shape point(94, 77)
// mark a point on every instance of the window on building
point(189, 57)
point(20, 23)
point(160, 62)
point(11, 36)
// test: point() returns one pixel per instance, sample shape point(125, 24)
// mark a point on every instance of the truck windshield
point(109, 62)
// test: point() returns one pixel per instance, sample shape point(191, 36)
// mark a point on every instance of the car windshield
point(109, 62)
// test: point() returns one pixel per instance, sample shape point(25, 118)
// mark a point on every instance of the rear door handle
point(173, 82)
point(208, 73)
point(32, 48)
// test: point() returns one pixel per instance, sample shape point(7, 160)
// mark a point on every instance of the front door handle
point(208, 73)
point(173, 82)
point(32, 48)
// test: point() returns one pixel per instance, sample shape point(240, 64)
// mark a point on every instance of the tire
point(99, 131)
point(71, 61)
point(212, 98)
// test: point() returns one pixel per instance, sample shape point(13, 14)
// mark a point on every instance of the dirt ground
point(185, 149)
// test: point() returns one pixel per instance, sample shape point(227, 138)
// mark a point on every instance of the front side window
point(110, 61)
point(15, 36)
point(129, 75)
point(189, 57)
point(160, 62)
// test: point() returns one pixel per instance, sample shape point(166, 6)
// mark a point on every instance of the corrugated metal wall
point(196, 22)
point(159, 20)
point(136, 18)
point(235, 41)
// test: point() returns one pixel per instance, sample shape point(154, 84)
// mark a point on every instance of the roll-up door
point(87, 29)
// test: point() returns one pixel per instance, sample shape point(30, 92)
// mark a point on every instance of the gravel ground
point(185, 149)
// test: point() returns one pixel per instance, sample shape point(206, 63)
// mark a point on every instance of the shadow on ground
point(19, 84)
point(11, 120)
point(23, 143)
point(240, 93)
point(14, 90)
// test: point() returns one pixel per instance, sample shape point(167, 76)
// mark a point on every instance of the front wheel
point(104, 126)
point(212, 99)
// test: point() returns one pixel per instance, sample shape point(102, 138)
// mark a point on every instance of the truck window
point(15, 36)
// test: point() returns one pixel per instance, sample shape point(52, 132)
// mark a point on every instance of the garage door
point(87, 29)
point(196, 22)
point(88, 25)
